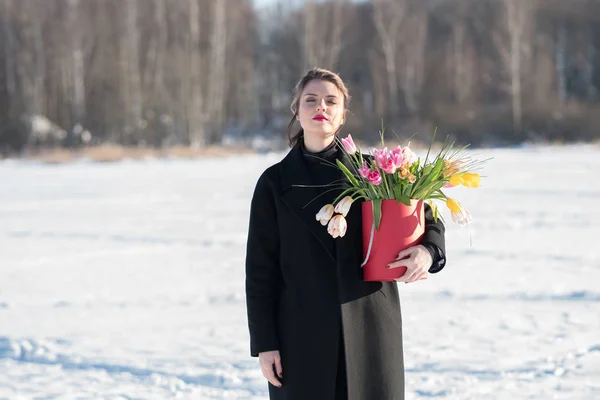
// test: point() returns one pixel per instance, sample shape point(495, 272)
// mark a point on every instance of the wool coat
point(305, 293)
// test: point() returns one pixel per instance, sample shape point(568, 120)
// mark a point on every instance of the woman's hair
point(315, 73)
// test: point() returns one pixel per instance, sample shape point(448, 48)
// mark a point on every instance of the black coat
point(304, 289)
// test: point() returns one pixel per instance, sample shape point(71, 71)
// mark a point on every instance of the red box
point(401, 227)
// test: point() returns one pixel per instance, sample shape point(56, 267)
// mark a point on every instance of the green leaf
point(400, 197)
point(404, 199)
point(377, 212)
point(348, 174)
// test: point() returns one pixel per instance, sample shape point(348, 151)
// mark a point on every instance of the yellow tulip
point(460, 215)
point(456, 180)
point(453, 205)
point(471, 180)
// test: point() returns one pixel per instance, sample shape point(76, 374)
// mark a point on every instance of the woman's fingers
point(417, 264)
point(408, 263)
point(270, 375)
point(267, 360)
point(412, 276)
point(405, 253)
point(278, 368)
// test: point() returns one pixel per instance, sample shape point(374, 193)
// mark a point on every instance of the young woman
point(320, 331)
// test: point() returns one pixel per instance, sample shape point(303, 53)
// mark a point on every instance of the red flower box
point(401, 227)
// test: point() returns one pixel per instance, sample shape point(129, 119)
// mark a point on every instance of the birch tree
point(195, 112)
point(389, 16)
point(75, 66)
point(131, 79)
point(217, 75)
point(513, 41)
point(323, 27)
point(461, 60)
point(9, 47)
point(412, 57)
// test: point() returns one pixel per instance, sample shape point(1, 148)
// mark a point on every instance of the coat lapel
point(349, 248)
point(302, 200)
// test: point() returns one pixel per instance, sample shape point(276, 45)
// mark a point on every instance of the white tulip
point(344, 206)
point(324, 214)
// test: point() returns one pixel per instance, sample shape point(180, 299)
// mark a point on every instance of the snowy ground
point(123, 281)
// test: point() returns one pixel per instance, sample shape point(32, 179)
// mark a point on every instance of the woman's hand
point(266, 360)
point(417, 260)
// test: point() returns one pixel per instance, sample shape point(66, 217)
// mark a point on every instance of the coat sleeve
point(434, 240)
point(263, 275)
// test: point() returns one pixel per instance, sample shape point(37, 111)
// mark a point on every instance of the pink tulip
point(380, 156)
point(337, 226)
point(349, 144)
point(364, 171)
point(389, 166)
point(375, 177)
point(397, 156)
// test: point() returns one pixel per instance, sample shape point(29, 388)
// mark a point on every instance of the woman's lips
point(320, 118)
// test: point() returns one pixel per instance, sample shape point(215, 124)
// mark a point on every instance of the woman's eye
point(331, 102)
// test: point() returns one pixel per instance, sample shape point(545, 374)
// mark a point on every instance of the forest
point(160, 73)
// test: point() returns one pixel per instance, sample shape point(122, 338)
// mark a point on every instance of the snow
point(126, 280)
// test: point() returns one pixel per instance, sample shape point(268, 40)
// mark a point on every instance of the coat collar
point(303, 200)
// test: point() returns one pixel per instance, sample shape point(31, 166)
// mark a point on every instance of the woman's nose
point(321, 105)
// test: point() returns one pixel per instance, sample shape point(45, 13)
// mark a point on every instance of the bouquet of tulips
point(398, 174)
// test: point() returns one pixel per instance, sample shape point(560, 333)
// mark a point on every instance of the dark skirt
point(341, 384)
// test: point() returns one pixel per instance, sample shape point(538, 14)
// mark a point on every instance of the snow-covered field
point(125, 281)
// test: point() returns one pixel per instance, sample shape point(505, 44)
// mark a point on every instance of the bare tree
point(132, 84)
point(323, 27)
point(217, 77)
point(195, 113)
point(9, 47)
point(513, 42)
point(461, 63)
point(389, 15)
point(412, 57)
point(39, 92)
point(76, 66)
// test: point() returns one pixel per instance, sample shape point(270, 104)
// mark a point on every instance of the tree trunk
point(195, 112)
point(310, 36)
point(39, 92)
point(217, 82)
point(335, 46)
point(9, 48)
point(561, 60)
point(414, 56)
point(389, 35)
point(77, 77)
point(518, 27)
point(130, 60)
point(515, 26)
point(588, 71)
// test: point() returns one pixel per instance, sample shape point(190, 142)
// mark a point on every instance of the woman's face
point(321, 109)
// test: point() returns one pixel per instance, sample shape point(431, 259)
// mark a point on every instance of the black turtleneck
point(323, 171)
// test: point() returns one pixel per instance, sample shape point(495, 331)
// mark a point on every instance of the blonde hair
point(319, 74)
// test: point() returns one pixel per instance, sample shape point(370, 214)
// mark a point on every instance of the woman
point(319, 330)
